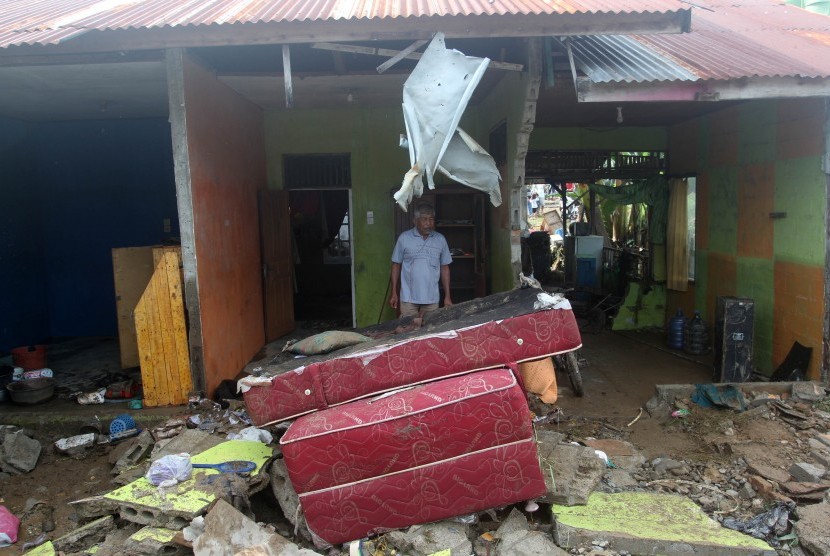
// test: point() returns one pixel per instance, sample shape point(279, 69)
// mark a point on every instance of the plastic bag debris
point(768, 526)
point(77, 442)
point(252, 434)
point(174, 467)
point(719, 396)
point(90, 398)
point(195, 529)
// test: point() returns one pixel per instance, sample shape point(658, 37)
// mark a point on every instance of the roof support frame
point(339, 30)
point(704, 91)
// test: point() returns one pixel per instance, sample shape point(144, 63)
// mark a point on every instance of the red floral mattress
point(438, 450)
point(492, 332)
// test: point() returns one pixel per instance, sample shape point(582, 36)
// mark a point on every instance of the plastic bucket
point(30, 358)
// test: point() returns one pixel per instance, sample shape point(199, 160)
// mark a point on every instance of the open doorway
point(319, 200)
point(322, 255)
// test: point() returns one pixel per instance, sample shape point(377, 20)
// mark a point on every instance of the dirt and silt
point(713, 447)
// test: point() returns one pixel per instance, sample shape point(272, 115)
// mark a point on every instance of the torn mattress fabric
point(434, 98)
point(487, 332)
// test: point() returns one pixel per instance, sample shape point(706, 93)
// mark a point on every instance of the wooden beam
point(401, 55)
point(372, 51)
point(703, 91)
point(349, 30)
point(286, 75)
point(84, 59)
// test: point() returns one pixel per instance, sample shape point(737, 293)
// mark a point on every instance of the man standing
point(421, 258)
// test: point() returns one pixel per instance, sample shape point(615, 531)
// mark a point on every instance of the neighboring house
point(90, 162)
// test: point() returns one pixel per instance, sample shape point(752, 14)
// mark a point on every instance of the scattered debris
point(19, 452)
point(227, 532)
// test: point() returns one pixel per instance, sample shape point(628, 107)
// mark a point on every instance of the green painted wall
point(784, 135)
point(371, 136)
point(799, 193)
point(756, 279)
point(723, 210)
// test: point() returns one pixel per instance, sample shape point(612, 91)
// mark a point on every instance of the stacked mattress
point(418, 426)
point(438, 450)
point(493, 331)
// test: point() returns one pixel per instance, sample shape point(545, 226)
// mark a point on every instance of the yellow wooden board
point(162, 334)
point(184, 497)
point(132, 268)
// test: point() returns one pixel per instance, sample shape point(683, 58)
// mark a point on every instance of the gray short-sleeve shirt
point(421, 260)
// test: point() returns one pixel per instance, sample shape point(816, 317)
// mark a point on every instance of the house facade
point(157, 121)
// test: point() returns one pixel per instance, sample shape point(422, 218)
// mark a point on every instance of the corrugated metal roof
point(23, 21)
point(730, 39)
point(614, 58)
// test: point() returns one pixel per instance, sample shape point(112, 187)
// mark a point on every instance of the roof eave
point(342, 30)
point(745, 88)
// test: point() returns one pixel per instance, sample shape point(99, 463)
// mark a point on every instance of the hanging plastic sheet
point(434, 98)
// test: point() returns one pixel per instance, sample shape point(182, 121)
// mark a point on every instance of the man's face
point(425, 223)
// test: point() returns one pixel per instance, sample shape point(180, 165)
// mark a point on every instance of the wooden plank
point(182, 378)
point(278, 264)
point(132, 268)
point(143, 338)
point(371, 51)
point(162, 334)
point(159, 371)
point(400, 55)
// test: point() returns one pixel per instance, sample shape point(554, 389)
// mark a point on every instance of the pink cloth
point(9, 525)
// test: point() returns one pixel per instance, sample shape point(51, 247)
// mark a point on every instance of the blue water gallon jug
point(677, 326)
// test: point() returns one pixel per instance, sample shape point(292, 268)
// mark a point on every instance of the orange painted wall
point(798, 311)
point(756, 193)
point(751, 160)
point(227, 167)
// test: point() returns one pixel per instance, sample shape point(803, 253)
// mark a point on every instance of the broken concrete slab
point(571, 471)
point(175, 507)
point(768, 472)
point(154, 540)
point(227, 532)
point(516, 521)
point(287, 497)
point(137, 450)
point(423, 540)
point(95, 506)
point(19, 453)
point(808, 391)
point(807, 472)
point(621, 453)
point(650, 523)
point(192, 441)
point(528, 543)
point(811, 528)
point(667, 393)
point(619, 478)
point(82, 538)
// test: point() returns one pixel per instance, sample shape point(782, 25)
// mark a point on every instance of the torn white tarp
point(434, 98)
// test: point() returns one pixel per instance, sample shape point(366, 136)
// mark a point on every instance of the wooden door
point(277, 263)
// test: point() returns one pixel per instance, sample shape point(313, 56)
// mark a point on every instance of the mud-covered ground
point(714, 446)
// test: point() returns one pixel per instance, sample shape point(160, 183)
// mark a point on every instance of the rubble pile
point(723, 499)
